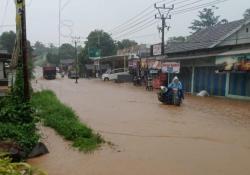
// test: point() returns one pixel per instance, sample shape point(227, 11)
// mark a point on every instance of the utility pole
point(76, 40)
point(24, 49)
point(59, 29)
point(163, 16)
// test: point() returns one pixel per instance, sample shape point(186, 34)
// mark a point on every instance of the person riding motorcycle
point(176, 84)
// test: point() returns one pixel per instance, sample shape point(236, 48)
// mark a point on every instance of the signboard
point(153, 71)
point(171, 67)
point(234, 63)
point(94, 53)
point(156, 49)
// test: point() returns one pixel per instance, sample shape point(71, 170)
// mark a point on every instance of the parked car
point(113, 74)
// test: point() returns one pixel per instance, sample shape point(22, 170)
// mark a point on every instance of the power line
point(145, 26)
point(195, 2)
point(143, 36)
point(134, 18)
point(130, 20)
point(184, 11)
point(198, 7)
point(134, 26)
point(146, 17)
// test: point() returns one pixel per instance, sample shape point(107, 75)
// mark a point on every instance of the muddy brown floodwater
point(205, 136)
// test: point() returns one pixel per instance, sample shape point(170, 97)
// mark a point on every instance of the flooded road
point(205, 136)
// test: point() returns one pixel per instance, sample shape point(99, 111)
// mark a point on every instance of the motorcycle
point(170, 96)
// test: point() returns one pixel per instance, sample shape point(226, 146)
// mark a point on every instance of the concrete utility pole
point(163, 16)
point(59, 29)
point(76, 40)
point(24, 48)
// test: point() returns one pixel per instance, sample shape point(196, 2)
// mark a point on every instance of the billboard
point(156, 49)
point(233, 63)
point(171, 67)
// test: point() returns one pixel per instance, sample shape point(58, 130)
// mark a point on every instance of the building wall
point(240, 37)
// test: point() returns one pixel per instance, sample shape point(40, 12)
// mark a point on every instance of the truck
point(49, 72)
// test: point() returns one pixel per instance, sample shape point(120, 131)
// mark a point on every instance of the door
point(112, 75)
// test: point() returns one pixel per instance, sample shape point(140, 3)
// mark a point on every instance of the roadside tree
point(246, 14)
point(207, 18)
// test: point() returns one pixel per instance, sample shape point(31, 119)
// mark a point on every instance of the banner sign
point(156, 49)
point(234, 63)
point(171, 67)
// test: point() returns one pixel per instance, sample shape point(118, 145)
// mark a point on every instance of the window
point(119, 70)
point(247, 30)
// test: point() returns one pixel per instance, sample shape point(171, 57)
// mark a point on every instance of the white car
point(113, 74)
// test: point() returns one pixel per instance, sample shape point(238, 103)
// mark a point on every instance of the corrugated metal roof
point(205, 38)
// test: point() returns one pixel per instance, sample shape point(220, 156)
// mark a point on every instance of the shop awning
point(191, 57)
point(235, 52)
point(227, 53)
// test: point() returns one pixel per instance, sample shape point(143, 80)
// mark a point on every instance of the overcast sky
point(87, 15)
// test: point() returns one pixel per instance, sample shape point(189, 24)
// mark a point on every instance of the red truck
point(49, 72)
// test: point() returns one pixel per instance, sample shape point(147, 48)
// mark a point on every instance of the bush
point(17, 123)
point(64, 120)
point(15, 112)
point(24, 135)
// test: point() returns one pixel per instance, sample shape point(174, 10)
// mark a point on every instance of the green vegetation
point(8, 168)
point(126, 43)
point(246, 14)
point(206, 18)
point(64, 120)
point(17, 118)
point(7, 41)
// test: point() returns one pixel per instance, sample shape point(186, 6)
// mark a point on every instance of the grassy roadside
point(64, 120)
